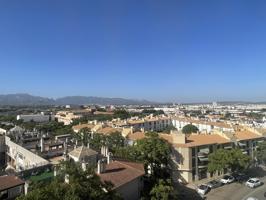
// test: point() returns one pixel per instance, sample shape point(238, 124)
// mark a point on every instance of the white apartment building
point(20, 158)
point(36, 118)
point(203, 126)
point(150, 123)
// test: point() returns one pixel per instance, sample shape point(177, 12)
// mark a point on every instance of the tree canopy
point(113, 141)
point(83, 185)
point(222, 159)
point(188, 129)
point(261, 152)
point(162, 190)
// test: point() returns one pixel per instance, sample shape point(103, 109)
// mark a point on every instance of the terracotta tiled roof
point(136, 136)
point(246, 135)
point(197, 140)
point(109, 130)
point(122, 172)
point(81, 126)
point(7, 182)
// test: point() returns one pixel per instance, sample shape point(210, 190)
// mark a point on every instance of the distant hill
point(28, 100)
point(24, 99)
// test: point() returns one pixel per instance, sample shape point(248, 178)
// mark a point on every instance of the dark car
point(214, 184)
point(240, 177)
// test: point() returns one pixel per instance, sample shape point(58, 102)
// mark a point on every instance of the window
point(193, 151)
point(4, 194)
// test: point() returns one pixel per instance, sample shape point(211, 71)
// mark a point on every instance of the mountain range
point(28, 100)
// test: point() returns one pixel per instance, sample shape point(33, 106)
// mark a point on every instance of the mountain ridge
point(24, 99)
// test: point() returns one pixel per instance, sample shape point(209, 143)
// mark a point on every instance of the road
point(237, 191)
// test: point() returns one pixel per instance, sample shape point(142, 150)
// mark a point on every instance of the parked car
point(253, 182)
point(214, 184)
point(252, 198)
point(240, 177)
point(203, 189)
point(227, 179)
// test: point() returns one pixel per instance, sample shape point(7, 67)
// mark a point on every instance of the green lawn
point(41, 177)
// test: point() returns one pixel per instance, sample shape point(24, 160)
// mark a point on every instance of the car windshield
point(202, 187)
point(213, 182)
point(226, 177)
point(251, 181)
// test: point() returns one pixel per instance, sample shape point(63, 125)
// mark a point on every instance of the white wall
point(23, 157)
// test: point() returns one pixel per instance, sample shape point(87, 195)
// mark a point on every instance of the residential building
point(158, 123)
point(84, 155)
point(36, 118)
point(66, 117)
point(19, 158)
point(11, 187)
point(203, 126)
point(190, 152)
point(125, 176)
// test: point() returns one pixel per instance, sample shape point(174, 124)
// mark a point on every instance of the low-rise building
point(125, 176)
point(11, 187)
point(36, 118)
point(19, 158)
point(84, 155)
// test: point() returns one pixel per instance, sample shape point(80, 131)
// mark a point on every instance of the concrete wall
point(23, 159)
point(36, 118)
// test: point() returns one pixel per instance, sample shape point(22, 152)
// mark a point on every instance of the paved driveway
point(237, 191)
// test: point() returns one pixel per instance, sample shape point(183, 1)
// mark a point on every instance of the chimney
point(178, 138)
point(84, 167)
point(26, 187)
point(100, 166)
point(106, 151)
point(42, 144)
point(67, 178)
point(102, 150)
point(109, 159)
point(55, 172)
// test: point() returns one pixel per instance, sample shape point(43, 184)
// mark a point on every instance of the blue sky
point(182, 51)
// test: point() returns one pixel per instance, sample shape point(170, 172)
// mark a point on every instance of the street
point(237, 191)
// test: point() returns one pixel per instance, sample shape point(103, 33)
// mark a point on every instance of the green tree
point(155, 154)
point(83, 135)
point(233, 159)
point(188, 129)
point(82, 185)
point(169, 128)
point(261, 152)
point(113, 141)
point(163, 190)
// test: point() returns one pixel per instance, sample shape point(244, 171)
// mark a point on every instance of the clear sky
point(182, 51)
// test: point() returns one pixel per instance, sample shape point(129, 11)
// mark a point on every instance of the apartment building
point(203, 126)
point(66, 117)
point(190, 153)
point(18, 158)
point(150, 123)
point(36, 118)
